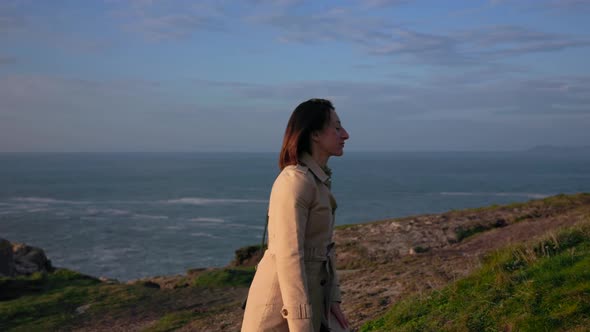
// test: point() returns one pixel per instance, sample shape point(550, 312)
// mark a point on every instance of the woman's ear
point(315, 136)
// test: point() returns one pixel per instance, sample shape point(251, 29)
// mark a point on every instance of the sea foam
point(210, 201)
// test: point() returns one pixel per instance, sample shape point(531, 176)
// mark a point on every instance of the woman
point(295, 287)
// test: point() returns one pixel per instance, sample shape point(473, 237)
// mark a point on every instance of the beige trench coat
point(295, 282)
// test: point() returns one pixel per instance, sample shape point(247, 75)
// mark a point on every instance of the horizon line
point(531, 149)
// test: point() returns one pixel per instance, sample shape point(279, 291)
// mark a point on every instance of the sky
point(220, 75)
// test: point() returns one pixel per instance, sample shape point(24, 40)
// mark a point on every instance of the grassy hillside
point(65, 299)
point(412, 262)
point(543, 286)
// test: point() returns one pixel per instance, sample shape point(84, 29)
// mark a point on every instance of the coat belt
point(318, 254)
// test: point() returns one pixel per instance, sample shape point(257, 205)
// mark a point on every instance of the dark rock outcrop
point(21, 259)
point(6, 259)
point(247, 256)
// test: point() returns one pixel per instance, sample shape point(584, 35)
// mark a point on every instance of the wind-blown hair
point(310, 116)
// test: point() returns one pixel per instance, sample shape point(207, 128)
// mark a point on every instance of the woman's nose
point(345, 134)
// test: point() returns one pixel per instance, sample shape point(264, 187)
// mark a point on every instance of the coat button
point(323, 282)
point(284, 312)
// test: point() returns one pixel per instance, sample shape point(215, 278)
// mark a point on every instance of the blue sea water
point(132, 215)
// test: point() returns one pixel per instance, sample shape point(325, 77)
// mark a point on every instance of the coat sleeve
point(335, 291)
point(290, 203)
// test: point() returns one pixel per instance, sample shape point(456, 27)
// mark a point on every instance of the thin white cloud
point(42, 94)
point(501, 34)
point(225, 84)
point(349, 23)
point(568, 4)
point(277, 3)
point(384, 3)
point(338, 24)
point(10, 18)
point(506, 41)
point(170, 20)
point(372, 34)
point(7, 60)
point(423, 48)
point(526, 5)
point(465, 95)
point(8, 22)
point(174, 26)
point(584, 108)
point(132, 115)
point(478, 76)
point(476, 90)
point(47, 28)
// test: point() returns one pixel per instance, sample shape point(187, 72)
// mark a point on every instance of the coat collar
point(313, 166)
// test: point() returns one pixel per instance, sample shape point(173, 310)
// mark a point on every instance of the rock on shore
point(18, 259)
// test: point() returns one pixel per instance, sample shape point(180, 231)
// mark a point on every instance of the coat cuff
point(302, 311)
point(300, 325)
point(336, 297)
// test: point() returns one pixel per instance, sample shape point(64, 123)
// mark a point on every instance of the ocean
point(133, 215)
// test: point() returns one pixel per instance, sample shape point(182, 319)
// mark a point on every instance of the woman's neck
point(320, 158)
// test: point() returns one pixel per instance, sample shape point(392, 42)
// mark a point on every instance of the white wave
point(201, 234)
point(246, 226)
point(93, 218)
point(24, 208)
point(116, 212)
point(107, 254)
point(140, 228)
point(214, 220)
point(45, 200)
point(124, 202)
point(175, 227)
point(111, 212)
point(499, 194)
point(34, 210)
point(147, 216)
point(210, 201)
point(92, 211)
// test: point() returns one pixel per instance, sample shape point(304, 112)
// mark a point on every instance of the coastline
point(133, 216)
point(380, 264)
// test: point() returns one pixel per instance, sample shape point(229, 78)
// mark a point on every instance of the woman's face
point(330, 141)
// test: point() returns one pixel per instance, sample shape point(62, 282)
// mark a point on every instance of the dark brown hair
point(310, 116)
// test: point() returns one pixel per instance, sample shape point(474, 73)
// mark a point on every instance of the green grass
point(47, 302)
point(235, 277)
point(539, 287)
point(42, 301)
point(173, 321)
point(12, 288)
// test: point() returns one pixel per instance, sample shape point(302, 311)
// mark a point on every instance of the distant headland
point(559, 149)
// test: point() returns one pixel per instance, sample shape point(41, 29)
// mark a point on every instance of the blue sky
point(217, 75)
